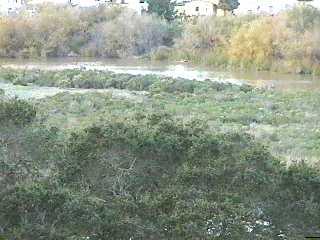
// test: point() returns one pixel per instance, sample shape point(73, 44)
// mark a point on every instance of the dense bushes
point(150, 176)
point(91, 32)
point(177, 165)
point(208, 33)
point(16, 112)
point(302, 19)
point(276, 118)
point(258, 43)
point(206, 40)
point(117, 38)
point(103, 80)
point(275, 43)
point(46, 35)
point(287, 42)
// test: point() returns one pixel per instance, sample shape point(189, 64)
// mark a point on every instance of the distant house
point(8, 7)
point(139, 6)
point(198, 8)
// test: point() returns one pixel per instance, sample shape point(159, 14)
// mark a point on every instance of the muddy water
point(171, 69)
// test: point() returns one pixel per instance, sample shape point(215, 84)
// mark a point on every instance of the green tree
point(303, 18)
point(228, 5)
point(163, 8)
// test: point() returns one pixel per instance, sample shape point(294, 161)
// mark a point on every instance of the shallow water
point(36, 92)
point(26, 92)
point(172, 69)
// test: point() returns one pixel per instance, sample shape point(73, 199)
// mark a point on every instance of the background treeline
point(288, 42)
point(94, 32)
point(285, 42)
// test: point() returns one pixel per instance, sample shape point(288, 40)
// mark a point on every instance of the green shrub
point(104, 80)
point(254, 42)
point(17, 112)
point(257, 42)
point(303, 18)
point(150, 176)
point(161, 54)
point(208, 33)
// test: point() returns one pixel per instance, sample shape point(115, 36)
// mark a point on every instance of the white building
point(198, 8)
point(139, 6)
point(11, 6)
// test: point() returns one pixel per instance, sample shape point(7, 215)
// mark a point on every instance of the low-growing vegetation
point(277, 119)
point(189, 161)
point(16, 112)
point(93, 79)
point(146, 174)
